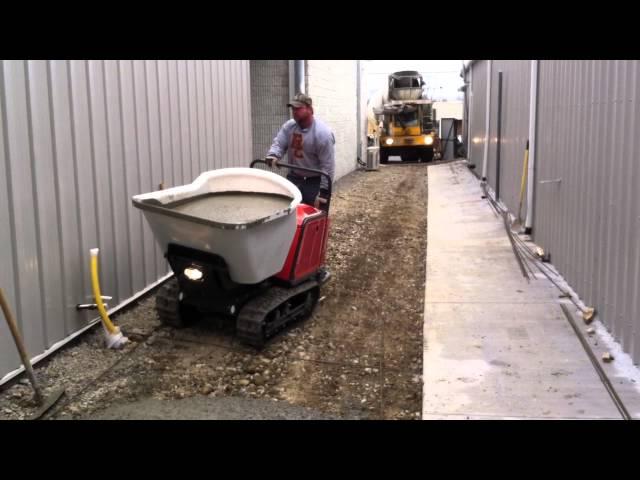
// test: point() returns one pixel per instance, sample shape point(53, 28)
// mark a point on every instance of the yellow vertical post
point(524, 180)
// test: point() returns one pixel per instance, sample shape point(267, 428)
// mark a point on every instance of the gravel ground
point(205, 408)
point(359, 356)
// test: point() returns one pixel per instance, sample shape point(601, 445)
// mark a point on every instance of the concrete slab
point(496, 346)
point(510, 360)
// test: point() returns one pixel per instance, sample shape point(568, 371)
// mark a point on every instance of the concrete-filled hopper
point(245, 215)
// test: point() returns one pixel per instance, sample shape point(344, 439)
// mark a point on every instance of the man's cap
point(300, 100)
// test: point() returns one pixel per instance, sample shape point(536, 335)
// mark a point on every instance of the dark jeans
point(309, 187)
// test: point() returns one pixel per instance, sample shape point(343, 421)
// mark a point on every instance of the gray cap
point(300, 100)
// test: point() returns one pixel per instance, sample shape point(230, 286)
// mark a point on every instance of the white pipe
point(533, 104)
point(487, 120)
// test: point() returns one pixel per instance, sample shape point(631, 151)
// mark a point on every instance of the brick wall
point(333, 87)
point(332, 84)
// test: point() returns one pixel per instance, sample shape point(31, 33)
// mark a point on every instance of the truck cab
point(409, 130)
point(409, 133)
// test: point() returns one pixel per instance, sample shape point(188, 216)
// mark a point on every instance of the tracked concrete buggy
point(242, 247)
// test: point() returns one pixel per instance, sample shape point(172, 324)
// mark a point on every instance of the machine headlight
point(389, 141)
point(428, 140)
point(193, 273)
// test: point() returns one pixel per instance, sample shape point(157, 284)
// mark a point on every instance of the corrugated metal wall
point(588, 114)
point(477, 109)
point(77, 140)
point(587, 208)
point(514, 128)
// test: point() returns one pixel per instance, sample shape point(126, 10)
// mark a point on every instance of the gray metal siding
point(590, 220)
point(514, 128)
point(478, 100)
point(77, 140)
point(588, 113)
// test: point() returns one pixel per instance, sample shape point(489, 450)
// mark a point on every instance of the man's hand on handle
point(321, 199)
point(271, 161)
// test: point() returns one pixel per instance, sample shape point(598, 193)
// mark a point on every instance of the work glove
point(271, 161)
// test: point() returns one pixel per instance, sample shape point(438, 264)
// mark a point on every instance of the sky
point(442, 77)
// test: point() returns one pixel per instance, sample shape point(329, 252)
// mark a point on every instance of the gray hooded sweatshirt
point(312, 147)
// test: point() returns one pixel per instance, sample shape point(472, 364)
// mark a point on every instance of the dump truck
point(407, 129)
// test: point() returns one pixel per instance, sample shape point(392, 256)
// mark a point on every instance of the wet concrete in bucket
point(232, 207)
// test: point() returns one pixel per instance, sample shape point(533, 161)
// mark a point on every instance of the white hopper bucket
point(253, 248)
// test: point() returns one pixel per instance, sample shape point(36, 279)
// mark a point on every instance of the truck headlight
point(389, 141)
point(428, 140)
point(193, 273)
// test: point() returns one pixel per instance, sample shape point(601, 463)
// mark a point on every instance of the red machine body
point(308, 248)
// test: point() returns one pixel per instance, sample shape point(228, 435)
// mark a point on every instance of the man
point(310, 143)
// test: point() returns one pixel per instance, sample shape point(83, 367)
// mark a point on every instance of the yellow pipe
point(96, 292)
point(524, 178)
point(524, 174)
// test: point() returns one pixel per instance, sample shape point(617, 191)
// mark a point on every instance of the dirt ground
point(359, 355)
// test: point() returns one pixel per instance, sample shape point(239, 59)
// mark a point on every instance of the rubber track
point(167, 304)
point(251, 319)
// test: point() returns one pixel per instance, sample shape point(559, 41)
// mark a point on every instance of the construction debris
point(542, 256)
point(607, 357)
point(588, 314)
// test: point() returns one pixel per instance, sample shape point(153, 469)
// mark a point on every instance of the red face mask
point(302, 115)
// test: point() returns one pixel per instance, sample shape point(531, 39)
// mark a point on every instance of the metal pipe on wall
point(487, 123)
point(299, 76)
point(358, 110)
point(498, 135)
point(292, 78)
point(469, 95)
point(533, 103)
